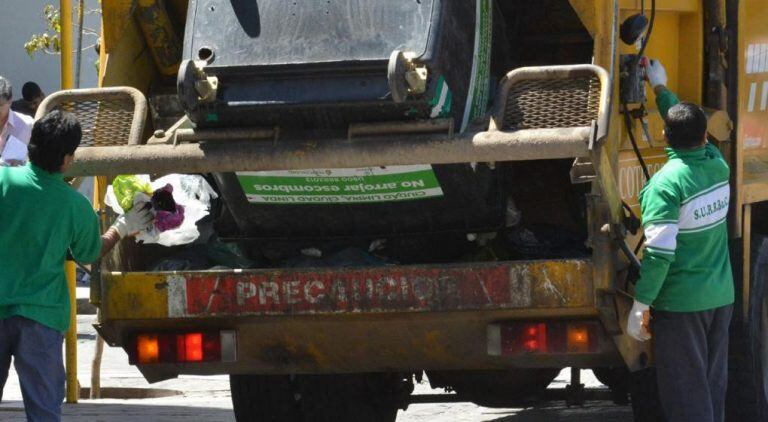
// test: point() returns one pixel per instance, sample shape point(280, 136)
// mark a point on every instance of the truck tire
point(495, 388)
point(351, 397)
point(263, 398)
point(747, 397)
point(318, 398)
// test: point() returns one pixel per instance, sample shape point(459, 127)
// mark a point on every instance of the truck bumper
point(393, 318)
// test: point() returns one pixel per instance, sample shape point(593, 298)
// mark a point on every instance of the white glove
point(140, 217)
point(635, 326)
point(656, 73)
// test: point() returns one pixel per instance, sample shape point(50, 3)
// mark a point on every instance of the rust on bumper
point(387, 289)
point(369, 319)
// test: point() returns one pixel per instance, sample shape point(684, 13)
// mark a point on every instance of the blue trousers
point(36, 351)
point(691, 351)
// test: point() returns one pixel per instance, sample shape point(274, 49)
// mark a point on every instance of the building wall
point(20, 19)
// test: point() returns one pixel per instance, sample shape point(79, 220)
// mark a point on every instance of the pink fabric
point(165, 220)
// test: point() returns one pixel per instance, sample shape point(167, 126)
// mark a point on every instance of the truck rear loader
point(439, 187)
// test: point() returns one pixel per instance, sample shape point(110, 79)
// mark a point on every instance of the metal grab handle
point(553, 97)
point(109, 116)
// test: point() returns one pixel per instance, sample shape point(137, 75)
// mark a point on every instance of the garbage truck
point(406, 188)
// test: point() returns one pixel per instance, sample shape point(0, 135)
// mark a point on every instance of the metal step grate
point(104, 123)
point(108, 116)
point(546, 99)
point(552, 103)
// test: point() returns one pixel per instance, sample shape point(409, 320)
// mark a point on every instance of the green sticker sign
point(479, 85)
point(341, 186)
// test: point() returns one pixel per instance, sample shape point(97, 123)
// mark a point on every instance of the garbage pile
point(178, 202)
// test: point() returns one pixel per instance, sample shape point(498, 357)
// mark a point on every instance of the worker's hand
point(139, 218)
point(637, 323)
point(657, 75)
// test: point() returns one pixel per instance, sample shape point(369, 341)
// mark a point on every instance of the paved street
point(207, 398)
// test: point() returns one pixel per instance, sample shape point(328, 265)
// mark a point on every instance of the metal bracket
point(619, 234)
point(206, 86)
point(417, 79)
point(582, 171)
point(575, 392)
point(405, 76)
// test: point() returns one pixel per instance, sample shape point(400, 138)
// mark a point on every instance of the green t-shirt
point(686, 266)
point(42, 218)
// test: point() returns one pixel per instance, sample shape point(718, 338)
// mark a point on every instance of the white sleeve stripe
point(661, 236)
point(661, 251)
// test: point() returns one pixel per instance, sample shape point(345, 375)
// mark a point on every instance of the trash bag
point(190, 259)
point(125, 187)
point(229, 254)
point(176, 216)
point(543, 241)
point(348, 257)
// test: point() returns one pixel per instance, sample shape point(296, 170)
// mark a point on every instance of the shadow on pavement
point(118, 411)
point(595, 412)
point(144, 411)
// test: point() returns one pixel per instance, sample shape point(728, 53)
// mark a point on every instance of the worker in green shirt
point(685, 276)
point(43, 218)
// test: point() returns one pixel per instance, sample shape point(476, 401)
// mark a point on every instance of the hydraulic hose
point(643, 166)
point(648, 34)
point(633, 141)
point(627, 118)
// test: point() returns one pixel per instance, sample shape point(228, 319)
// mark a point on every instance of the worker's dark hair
point(6, 91)
point(54, 136)
point(685, 126)
point(30, 91)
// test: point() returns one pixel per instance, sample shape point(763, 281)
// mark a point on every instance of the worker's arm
point(665, 99)
point(108, 241)
point(660, 207)
point(657, 77)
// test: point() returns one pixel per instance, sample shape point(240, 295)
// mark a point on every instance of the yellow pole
point(99, 190)
point(67, 82)
point(73, 388)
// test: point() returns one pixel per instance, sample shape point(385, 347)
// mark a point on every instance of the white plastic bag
point(190, 191)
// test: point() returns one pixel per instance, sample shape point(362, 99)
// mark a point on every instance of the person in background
point(31, 97)
point(685, 278)
point(15, 129)
point(50, 219)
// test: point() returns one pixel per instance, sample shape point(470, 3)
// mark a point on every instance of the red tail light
point(543, 337)
point(193, 347)
point(534, 337)
point(189, 347)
